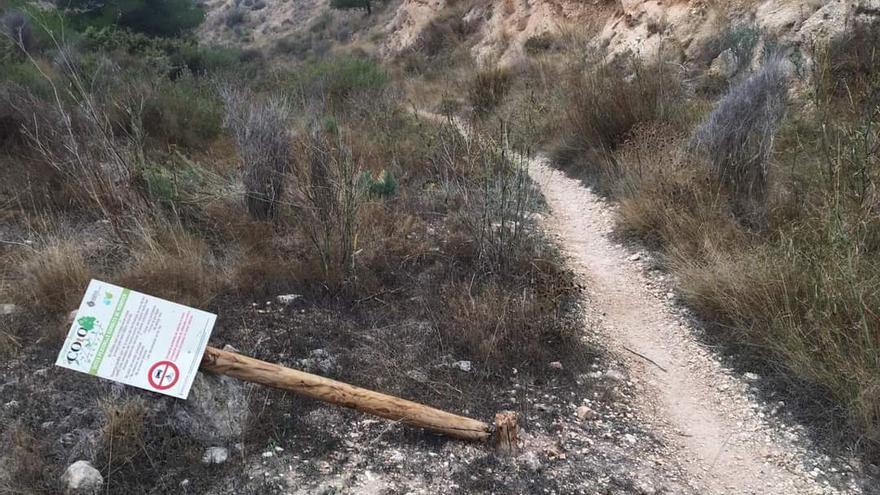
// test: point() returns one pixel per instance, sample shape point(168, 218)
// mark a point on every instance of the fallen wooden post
point(335, 392)
point(339, 393)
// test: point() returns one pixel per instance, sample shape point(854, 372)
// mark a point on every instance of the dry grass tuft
point(171, 263)
point(53, 277)
point(488, 88)
point(122, 434)
point(28, 462)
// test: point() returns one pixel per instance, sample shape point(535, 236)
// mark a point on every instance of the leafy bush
point(173, 56)
point(383, 187)
point(737, 137)
point(339, 78)
point(153, 17)
point(184, 112)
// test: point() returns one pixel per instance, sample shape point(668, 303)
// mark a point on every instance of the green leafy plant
point(382, 187)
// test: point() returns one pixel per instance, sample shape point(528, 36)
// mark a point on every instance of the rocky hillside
point(680, 31)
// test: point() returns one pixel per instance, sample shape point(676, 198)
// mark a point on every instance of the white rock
point(215, 455)
point(465, 366)
point(725, 64)
point(8, 309)
point(636, 257)
point(751, 377)
point(584, 413)
point(287, 298)
point(268, 454)
point(81, 478)
point(615, 375)
point(556, 365)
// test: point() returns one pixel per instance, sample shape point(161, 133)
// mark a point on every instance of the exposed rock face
point(81, 478)
point(215, 411)
point(674, 30)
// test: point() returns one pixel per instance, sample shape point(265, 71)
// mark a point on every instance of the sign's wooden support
point(503, 433)
point(343, 394)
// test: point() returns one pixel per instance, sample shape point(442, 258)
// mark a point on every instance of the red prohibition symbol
point(163, 375)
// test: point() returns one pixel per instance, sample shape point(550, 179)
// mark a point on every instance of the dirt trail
point(690, 400)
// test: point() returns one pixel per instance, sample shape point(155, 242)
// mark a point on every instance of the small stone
point(635, 257)
point(417, 376)
point(8, 309)
point(287, 298)
point(556, 365)
point(465, 366)
point(279, 449)
point(615, 375)
point(751, 377)
point(215, 455)
point(532, 462)
point(267, 454)
point(670, 295)
point(81, 478)
point(584, 413)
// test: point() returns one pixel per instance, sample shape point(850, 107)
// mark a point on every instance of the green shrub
point(339, 78)
point(183, 112)
point(383, 187)
point(153, 17)
point(168, 185)
point(171, 55)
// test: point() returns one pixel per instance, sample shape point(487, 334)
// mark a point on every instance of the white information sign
point(136, 339)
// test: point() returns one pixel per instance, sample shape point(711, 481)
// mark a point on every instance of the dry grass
point(171, 263)
point(28, 466)
point(488, 88)
point(52, 278)
point(602, 107)
point(259, 126)
point(122, 434)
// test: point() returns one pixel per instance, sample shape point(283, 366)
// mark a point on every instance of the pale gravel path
point(697, 405)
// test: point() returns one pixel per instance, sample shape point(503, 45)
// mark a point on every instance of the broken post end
point(506, 432)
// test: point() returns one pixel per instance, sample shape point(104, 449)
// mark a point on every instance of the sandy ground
point(724, 437)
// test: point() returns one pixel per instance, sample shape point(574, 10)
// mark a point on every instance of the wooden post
point(343, 394)
point(506, 432)
point(335, 392)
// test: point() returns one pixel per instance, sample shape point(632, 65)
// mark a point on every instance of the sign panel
point(136, 339)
